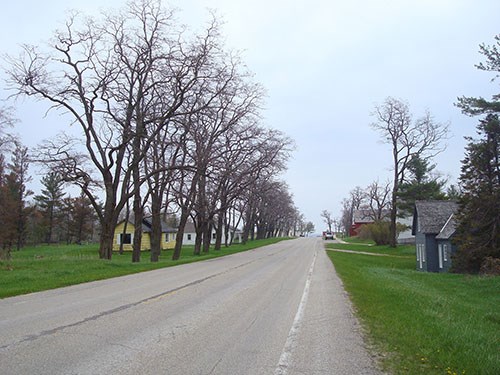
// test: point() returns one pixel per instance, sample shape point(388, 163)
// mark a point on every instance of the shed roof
point(433, 215)
point(448, 229)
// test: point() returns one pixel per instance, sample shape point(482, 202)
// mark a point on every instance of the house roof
point(146, 226)
point(448, 229)
point(189, 227)
point(433, 215)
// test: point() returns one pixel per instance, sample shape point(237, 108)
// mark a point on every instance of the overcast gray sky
point(325, 65)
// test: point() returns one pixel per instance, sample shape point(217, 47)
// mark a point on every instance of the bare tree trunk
point(249, 223)
point(218, 231)
point(394, 209)
point(125, 224)
point(156, 230)
point(138, 216)
point(108, 222)
point(180, 234)
point(198, 240)
point(207, 236)
point(106, 240)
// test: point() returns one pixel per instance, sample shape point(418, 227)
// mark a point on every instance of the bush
point(474, 260)
point(379, 232)
point(490, 266)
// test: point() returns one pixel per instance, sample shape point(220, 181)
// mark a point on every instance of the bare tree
point(274, 209)
point(378, 197)
point(115, 77)
point(327, 218)
point(309, 227)
point(421, 137)
point(7, 120)
point(164, 157)
point(356, 200)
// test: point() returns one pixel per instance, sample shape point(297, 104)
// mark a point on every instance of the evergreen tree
point(478, 232)
point(453, 193)
point(8, 232)
point(49, 203)
point(17, 181)
point(78, 219)
point(83, 219)
point(421, 185)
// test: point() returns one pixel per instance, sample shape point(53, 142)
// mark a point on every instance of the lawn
point(406, 250)
point(34, 269)
point(423, 323)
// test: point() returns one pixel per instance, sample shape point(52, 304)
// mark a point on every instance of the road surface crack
point(100, 315)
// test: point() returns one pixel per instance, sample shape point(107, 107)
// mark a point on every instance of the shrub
point(379, 232)
point(490, 266)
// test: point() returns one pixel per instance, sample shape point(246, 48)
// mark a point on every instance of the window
point(167, 237)
point(440, 255)
point(445, 252)
point(189, 236)
point(214, 236)
point(125, 238)
point(420, 254)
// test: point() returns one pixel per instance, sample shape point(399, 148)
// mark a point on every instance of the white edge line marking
point(286, 354)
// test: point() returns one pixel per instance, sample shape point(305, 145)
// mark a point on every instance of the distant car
point(328, 235)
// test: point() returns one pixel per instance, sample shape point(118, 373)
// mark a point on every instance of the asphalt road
point(280, 309)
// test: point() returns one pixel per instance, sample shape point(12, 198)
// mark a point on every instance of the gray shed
point(434, 226)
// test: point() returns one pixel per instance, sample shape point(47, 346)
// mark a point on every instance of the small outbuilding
point(434, 226)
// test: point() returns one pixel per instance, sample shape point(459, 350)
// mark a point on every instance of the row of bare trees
point(170, 122)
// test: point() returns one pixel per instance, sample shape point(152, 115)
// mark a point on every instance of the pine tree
point(421, 185)
point(8, 232)
point(78, 219)
point(17, 181)
point(478, 233)
point(49, 203)
point(83, 219)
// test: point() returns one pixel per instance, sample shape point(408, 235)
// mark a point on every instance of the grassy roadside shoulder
point(34, 269)
point(424, 323)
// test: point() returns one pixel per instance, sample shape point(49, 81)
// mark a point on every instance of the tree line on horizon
point(170, 125)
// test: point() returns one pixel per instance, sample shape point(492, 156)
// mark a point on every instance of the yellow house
point(125, 236)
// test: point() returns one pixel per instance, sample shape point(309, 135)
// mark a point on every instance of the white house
point(190, 235)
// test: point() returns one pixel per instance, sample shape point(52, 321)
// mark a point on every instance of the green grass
point(403, 250)
point(34, 269)
point(424, 323)
point(357, 240)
